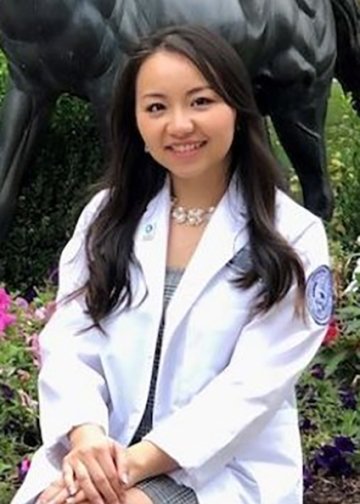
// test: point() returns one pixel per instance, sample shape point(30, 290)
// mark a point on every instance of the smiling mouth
point(185, 148)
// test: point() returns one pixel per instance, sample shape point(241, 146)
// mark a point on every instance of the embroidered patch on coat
point(319, 295)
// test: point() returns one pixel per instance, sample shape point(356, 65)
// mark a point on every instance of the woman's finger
point(111, 486)
point(78, 498)
point(82, 500)
point(121, 463)
point(57, 490)
point(93, 468)
point(88, 480)
point(69, 479)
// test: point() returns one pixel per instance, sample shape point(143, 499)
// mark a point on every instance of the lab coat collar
point(151, 246)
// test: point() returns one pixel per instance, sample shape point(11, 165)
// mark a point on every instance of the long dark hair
point(134, 178)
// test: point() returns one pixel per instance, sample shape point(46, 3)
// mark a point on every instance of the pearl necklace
point(190, 216)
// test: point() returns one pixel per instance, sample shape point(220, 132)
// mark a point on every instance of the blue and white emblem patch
point(319, 295)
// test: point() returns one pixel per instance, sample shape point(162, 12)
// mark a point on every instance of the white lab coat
point(225, 405)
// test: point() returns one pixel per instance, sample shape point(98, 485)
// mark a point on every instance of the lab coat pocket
point(212, 329)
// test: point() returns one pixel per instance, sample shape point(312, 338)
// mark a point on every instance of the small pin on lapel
point(149, 232)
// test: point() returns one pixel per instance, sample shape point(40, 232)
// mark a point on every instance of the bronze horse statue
point(289, 47)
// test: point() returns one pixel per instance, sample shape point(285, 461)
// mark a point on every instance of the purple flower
point(308, 478)
point(332, 461)
point(348, 399)
point(317, 371)
point(22, 303)
point(306, 425)
point(23, 468)
point(6, 392)
point(30, 294)
point(344, 444)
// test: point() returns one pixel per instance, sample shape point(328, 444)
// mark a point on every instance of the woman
point(147, 399)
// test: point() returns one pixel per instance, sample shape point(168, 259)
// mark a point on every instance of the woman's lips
point(186, 149)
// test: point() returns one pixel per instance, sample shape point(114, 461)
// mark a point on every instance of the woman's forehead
point(165, 70)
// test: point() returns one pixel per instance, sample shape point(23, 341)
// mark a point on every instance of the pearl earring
point(146, 149)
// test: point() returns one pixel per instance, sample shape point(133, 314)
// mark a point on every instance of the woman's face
point(185, 124)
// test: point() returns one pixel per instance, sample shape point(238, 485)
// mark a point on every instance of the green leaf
point(333, 363)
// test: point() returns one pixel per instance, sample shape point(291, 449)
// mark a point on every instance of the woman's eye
point(202, 101)
point(155, 107)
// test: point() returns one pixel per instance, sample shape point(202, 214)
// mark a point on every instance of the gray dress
point(162, 489)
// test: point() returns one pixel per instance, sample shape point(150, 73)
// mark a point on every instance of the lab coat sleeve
point(72, 389)
point(271, 351)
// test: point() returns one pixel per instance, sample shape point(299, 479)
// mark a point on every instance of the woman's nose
point(180, 123)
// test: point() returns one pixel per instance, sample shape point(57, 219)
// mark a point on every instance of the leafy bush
point(343, 150)
point(20, 323)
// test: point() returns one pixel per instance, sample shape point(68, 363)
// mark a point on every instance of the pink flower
point(5, 300)
point(40, 313)
point(23, 375)
point(33, 342)
point(5, 320)
point(50, 309)
point(332, 333)
point(27, 401)
point(45, 312)
point(23, 468)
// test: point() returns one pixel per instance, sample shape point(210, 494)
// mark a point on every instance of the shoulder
point(92, 209)
point(73, 255)
point(97, 201)
point(292, 219)
point(303, 230)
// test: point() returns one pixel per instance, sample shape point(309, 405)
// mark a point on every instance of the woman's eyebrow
point(190, 92)
point(199, 89)
point(154, 95)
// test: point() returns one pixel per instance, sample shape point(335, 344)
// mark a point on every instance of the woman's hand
point(103, 461)
point(96, 465)
point(57, 493)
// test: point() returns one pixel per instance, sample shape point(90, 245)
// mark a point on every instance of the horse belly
point(210, 13)
point(82, 50)
point(310, 49)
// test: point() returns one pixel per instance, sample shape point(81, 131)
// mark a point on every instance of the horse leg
point(301, 133)
point(99, 92)
point(21, 121)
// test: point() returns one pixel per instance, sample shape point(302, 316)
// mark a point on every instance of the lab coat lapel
point(151, 246)
point(224, 236)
